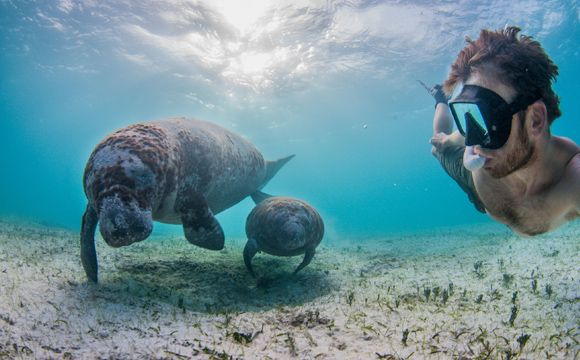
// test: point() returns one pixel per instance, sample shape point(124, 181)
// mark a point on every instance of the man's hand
point(437, 92)
point(439, 142)
point(442, 141)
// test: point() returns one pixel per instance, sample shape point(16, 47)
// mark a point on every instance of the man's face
point(518, 150)
point(514, 155)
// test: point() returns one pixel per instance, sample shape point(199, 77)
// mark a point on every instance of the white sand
point(165, 298)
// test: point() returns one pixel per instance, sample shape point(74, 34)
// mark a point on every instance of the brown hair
point(523, 63)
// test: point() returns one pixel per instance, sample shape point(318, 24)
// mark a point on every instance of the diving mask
point(483, 117)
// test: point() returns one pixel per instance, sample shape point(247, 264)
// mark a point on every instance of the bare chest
point(528, 215)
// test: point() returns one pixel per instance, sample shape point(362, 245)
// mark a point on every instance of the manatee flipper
point(200, 226)
point(250, 250)
point(259, 196)
point(88, 252)
point(308, 255)
point(272, 167)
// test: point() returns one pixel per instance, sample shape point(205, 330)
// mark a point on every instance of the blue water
point(333, 82)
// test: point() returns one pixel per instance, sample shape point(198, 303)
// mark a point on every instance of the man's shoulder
point(567, 145)
point(567, 151)
point(567, 156)
point(573, 170)
point(571, 154)
point(571, 177)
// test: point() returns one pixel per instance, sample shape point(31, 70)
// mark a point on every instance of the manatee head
point(122, 221)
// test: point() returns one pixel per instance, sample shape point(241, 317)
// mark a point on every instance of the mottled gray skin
point(176, 171)
point(283, 226)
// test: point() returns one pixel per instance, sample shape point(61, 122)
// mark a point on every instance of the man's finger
point(435, 142)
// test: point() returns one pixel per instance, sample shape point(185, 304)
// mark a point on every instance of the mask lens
point(460, 111)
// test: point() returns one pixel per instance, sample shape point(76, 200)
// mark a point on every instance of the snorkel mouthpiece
point(471, 160)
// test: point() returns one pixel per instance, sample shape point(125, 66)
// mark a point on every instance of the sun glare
point(241, 14)
point(254, 63)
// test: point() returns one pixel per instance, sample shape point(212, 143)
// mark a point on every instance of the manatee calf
point(282, 226)
point(176, 171)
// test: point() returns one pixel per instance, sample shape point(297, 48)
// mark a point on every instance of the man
point(520, 174)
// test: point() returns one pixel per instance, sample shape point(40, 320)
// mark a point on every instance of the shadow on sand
point(217, 286)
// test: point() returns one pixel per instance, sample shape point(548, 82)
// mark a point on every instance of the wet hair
point(522, 62)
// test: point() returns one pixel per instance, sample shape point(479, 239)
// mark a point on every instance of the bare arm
point(443, 134)
point(442, 120)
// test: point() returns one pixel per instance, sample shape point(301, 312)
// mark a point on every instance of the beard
point(517, 158)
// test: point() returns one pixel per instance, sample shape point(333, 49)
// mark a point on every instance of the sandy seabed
point(476, 292)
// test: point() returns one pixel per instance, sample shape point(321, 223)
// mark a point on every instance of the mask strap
point(522, 102)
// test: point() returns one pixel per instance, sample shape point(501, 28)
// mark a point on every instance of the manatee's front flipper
point(200, 227)
point(259, 196)
point(307, 259)
point(88, 252)
point(249, 251)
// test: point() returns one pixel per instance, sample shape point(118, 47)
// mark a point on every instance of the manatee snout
point(122, 222)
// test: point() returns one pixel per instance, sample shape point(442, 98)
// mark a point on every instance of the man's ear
point(537, 118)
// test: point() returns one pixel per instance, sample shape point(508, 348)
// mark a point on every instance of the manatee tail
point(272, 167)
point(88, 252)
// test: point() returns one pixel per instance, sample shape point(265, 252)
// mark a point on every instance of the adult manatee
point(176, 171)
